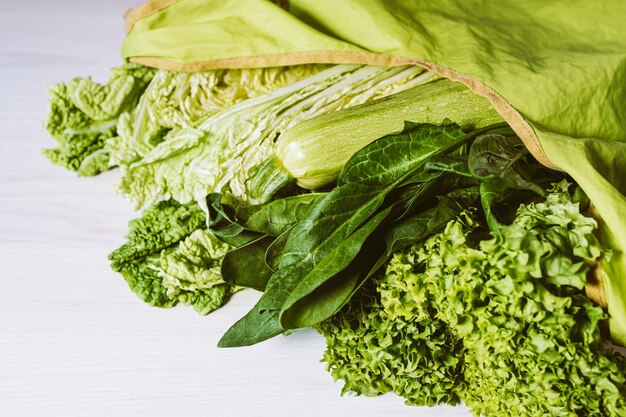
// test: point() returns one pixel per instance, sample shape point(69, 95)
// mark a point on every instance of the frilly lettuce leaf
point(217, 153)
point(160, 227)
point(83, 114)
point(530, 340)
point(143, 279)
point(532, 337)
point(373, 350)
point(169, 258)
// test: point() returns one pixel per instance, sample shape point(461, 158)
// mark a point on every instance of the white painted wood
point(74, 341)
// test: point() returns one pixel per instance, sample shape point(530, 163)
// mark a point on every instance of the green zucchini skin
point(314, 151)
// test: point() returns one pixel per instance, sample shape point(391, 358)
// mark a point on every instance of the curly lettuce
point(530, 342)
point(374, 349)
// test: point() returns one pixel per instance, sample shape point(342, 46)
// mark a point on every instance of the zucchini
point(313, 152)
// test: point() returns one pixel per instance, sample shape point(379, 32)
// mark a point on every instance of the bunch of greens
point(501, 323)
point(438, 266)
point(396, 191)
point(219, 109)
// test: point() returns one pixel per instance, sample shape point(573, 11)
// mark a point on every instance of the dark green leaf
point(500, 160)
point(275, 250)
point(491, 193)
point(275, 217)
point(245, 266)
point(254, 327)
point(300, 310)
point(221, 221)
point(418, 227)
point(393, 156)
point(324, 300)
point(371, 174)
point(308, 245)
point(449, 164)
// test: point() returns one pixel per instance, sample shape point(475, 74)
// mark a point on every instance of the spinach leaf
point(275, 217)
point(502, 164)
point(297, 310)
point(254, 229)
point(331, 283)
point(221, 221)
point(245, 266)
point(275, 250)
point(421, 225)
point(500, 160)
point(416, 228)
point(491, 194)
point(367, 178)
point(240, 225)
point(254, 327)
point(449, 164)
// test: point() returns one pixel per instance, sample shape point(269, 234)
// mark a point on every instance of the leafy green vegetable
point(161, 226)
point(246, 265)
point(222, 222)
point(337, 227)
point(175, 100)
point(254, 229)
point(83, 114)
point(416, 228)
point(143, 279)
point(191, 272)
point(170, 257)
point(503, 160)
point(218, 152)
point(276, 217)
point(503, 166)
point(509, 313)
point(329, 283)
point(375, 350)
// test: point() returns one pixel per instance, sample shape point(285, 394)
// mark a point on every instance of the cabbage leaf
point(191, 272)
point(175, 100)
point(83, 114)
point(170, 257)
point(218, 152)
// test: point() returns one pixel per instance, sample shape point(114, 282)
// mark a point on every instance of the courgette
point(313, 152)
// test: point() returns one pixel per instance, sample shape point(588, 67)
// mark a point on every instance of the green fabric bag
point(556, 71)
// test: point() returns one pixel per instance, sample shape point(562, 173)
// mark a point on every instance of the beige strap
point(145, 10)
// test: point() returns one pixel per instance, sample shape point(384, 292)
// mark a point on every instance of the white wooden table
point(74, 341)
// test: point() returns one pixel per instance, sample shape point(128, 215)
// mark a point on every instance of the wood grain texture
point(74, 341)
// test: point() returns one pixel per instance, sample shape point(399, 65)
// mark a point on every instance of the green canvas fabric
point(555, 70)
